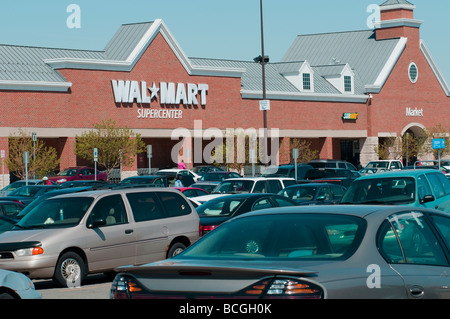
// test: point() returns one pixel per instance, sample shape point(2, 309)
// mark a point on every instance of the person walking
point(181, 165)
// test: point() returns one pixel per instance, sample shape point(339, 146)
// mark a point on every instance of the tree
point(46, 159)
point(114, 144)
point(305, 152)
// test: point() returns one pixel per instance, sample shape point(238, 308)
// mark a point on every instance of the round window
point(413, 72)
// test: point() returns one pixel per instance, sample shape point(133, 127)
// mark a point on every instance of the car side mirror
point(97, 223)
point(427, 199)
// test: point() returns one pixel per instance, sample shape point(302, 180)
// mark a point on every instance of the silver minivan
point(69, 236)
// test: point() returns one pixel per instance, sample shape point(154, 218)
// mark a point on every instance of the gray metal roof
point(395, 2)
point(125, 40)
point(364, 54)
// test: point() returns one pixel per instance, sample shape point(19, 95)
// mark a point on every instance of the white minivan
point(69, 236)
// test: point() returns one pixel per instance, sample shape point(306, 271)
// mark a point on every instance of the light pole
point(263, 62)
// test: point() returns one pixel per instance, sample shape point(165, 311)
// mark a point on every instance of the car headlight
point(29, 251)
point(62, 180)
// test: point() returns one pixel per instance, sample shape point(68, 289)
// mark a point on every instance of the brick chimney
point(397, 20)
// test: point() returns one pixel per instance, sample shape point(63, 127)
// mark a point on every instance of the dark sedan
point(7, 223)
point(26, 194)
point(314, 193)
point(306, 252)
point(216, 211)
point(218, 176)
point(152, 179)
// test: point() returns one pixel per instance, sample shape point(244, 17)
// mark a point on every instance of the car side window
point(445, 183)
point(423, 187)
point(111, 209)
point(260, 187)
point(174, 204)
point(274, 186)
point(262, 204)
point(337, 191)
point(145, 206)
point(408, 238)
point(436, 185)
point(11, 210)
point(443, 225)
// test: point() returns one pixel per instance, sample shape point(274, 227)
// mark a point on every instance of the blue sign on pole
point(438, 143)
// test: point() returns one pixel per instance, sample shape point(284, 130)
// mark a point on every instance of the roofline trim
point(35, 86)
point(434, 68)
point(398, 23)
point(297, 96)
point(158, 26)
point(388, 67)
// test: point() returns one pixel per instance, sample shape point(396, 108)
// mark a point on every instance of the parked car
point(192, 191)
point(314, 193)
point(218, 176)
point(216, 211)
point(10, 208)
point(26, 194)
point(384, 165)
point(153, 179)
point(15, 185)
point(306, 252)
point(340, 176)
point(203, 169)
point(82, 183)
point(188, 177)
point(287, 170)
point(17, 286)
point(68, 236)
point(418, 188)
point(78, 173)
point(207, 186)
point(327, 163)
point(248, 185)
point(7, 223)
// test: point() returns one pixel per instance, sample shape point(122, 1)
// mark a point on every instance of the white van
point(69, 236)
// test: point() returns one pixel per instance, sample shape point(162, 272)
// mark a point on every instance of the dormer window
point(348, 84)
point(307, 81)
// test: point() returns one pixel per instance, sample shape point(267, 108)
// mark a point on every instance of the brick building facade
point(344, 92)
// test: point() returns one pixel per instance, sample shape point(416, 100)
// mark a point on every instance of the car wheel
point(5, 295)
point(70, 270)
point(175, 249)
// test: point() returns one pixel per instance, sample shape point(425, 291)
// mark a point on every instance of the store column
point(327, 148)
point(67, 150)
point(4, 173)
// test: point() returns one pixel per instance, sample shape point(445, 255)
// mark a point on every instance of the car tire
point(70, 270)
point(6, 295)
point(175, 249)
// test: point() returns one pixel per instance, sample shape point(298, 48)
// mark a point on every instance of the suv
point(248, 185)
point(419, 188)
point(383, 166)
point(69, 236)
point(320, 163)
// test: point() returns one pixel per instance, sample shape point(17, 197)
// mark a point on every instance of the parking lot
point(95, 287)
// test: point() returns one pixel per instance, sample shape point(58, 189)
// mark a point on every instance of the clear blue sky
point(209, 28)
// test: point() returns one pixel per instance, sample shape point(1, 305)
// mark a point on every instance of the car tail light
point(285, 288)
point(206, 229)
point(18, 201)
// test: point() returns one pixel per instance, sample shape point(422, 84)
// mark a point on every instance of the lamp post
point(263, 60)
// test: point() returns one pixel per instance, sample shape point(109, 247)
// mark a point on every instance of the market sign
point(350, 116)
point(414, 112)
point(167, 93)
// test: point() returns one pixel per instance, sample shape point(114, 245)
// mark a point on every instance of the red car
point(78, 173)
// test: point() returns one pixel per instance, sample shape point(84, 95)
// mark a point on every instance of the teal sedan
point(418, 188)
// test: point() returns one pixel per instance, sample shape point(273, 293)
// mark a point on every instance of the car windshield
point(28, 191)
point(377, 165)
point(300, 193)
point(392, 190)
point(58, 212)
point(231, 187)
point(68, 172)
point(282, 236)
point(220, 207)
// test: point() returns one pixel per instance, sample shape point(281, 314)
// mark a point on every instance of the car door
point(110, 238)
point(413, 249)
point(150, 228)
point(441, 190)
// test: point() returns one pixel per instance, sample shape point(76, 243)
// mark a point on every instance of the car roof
point(401, 173)
point(353, 210)
point(98, 193)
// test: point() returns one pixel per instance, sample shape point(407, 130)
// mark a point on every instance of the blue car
point(419, 188)
point(14, 285)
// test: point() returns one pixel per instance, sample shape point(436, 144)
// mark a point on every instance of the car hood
point(15, 236)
